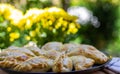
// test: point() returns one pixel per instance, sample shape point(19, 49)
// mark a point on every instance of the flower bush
point(38, 25)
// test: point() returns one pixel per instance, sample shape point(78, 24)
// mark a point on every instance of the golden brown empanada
point(8, 64)
point(90, 52)
point(70, 47)
point(35, 64)
point(52, 54)
point(58, 46)
point(11, 62)
point(13, 54)
point(10, 59)
point(21, 49)
point(62, 64)
point(37, 51)
point(81, 62)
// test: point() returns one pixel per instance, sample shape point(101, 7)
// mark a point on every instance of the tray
point(95, 67)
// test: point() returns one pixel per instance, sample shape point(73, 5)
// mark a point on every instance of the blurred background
point(97, 23)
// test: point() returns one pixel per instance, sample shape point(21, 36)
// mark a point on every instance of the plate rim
point(100, 66)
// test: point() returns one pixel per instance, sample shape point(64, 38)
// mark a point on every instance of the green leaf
point(1, 19)
point(2, 34)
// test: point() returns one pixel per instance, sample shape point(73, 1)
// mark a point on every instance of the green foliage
point(38, 3)
point(105, 11)
point(37, 25)
point(114, 45)
point(105, 37)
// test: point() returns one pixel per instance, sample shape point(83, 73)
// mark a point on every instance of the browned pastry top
point(53, 56)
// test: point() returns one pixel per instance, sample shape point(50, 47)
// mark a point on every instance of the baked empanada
point(11, 59)
point(70, 47)
point(62, 64)
point(81, 62)
point(37, 51)
point(35, 64)
point(21, 49)
point(90, 52)
point(52, 54)
point(58, 46)
point(13, 54)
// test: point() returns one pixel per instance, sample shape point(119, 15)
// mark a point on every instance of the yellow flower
point(17, 18)
point(5, 8)
point(21, 24)
point(72, 28)
point(28, 24)
point(27, 37)
point(58, 25)
point(71, 25)
point(8, 29)
point(45, 24)
point(14, 35)
point(50, 22)
point(11, 39)
point(7, 13)
point(55, 10)
point(51, 17)
point(32, 33)
point(37, 30)
point(65, 24)
point(34, 14)
point(63, 29)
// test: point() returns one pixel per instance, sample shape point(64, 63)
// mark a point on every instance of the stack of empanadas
point(53, 56)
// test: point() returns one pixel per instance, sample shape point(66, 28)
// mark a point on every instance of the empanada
point(35, 64)
point(52, 54)
point(13, 54)
point(70, 47)
point(37, 51)
point(21, 49)
point(90, 52)
point(81, 62)
point(11, 59)
point(62, 64)
point(58, 46)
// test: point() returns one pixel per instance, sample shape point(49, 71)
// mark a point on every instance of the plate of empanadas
point(52, 58)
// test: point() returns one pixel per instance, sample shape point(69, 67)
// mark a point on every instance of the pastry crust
point(53, 55)
point(90, 52)
point(38, 63)
point(21, 49)
point(70, 47)
point(16, 54)
point(62, 64)
point(81, 62)
point(11, 59)
point(37, 51)
point(58, 46)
